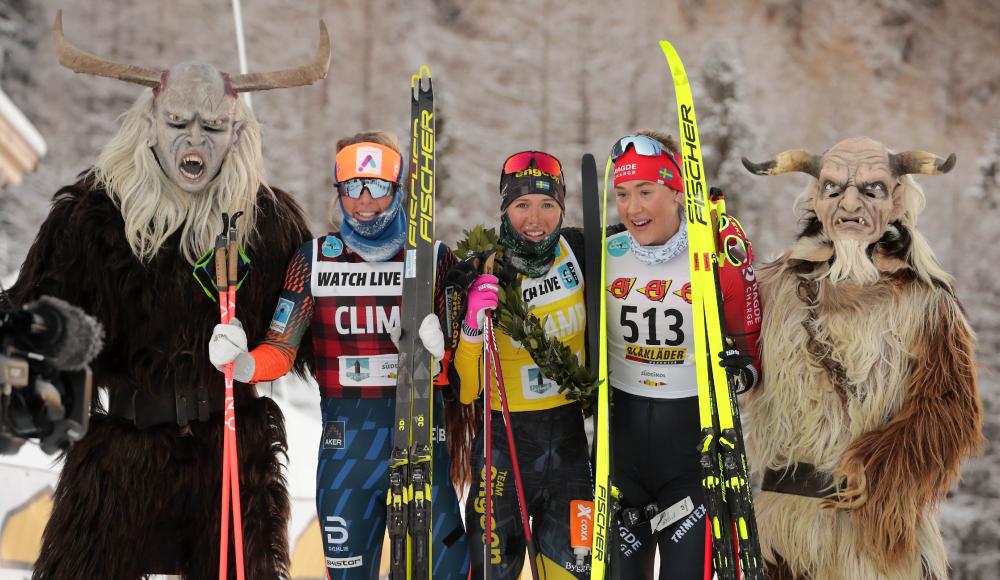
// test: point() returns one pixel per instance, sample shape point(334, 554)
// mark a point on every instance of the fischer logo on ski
point(728, 500)
point(408, 502)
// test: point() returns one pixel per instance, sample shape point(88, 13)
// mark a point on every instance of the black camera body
point(45, 379)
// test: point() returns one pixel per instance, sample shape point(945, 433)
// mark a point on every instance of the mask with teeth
point(859, 187)
point(191, 128)
point(862, 195)
point(192, 125)
point(858, 192)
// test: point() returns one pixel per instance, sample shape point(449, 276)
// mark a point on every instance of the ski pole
point(487, 471)
point(222, 286)
point(491, 347)
point(225, 284)
point(233, 258)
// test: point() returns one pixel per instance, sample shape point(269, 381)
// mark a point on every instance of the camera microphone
point(63, 334)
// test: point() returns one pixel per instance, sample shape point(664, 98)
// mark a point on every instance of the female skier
point(654, 421)
point(548, 427)
point(345, 287)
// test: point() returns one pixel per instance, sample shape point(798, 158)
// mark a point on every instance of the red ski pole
point(233, 258)
point(487, 473)
point(226, 261)
point(222, 286)
point(491, 349)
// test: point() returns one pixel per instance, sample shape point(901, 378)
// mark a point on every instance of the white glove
point(432, 337)
point(394, 334)
point(430, 334)
point(228, 342)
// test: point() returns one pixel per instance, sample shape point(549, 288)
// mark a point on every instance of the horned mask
point(859, 187)
point(192, 126)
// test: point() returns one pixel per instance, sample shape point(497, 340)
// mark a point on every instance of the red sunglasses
point(526, 159)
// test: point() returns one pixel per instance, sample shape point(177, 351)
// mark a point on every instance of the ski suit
point(548, 431)
point(654, 421)
point(349, 305)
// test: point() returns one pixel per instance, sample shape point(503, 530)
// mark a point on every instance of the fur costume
point(141, 491)
point(131, 501)
point(881, 400)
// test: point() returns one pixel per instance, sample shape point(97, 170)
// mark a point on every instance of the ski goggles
point(644, 158)
point(643, 145)
point(352, 188)
point(531, 172)
point(527, 159)
point(367, 160)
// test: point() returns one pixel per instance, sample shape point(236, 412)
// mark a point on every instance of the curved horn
point(306, 74)
point(786, 161)
point(920, 162)
point(83, 62)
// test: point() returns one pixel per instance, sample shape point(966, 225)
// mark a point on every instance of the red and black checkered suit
point(349, 319)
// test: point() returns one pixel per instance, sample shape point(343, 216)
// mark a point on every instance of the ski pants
point(352, 480)
point(656, 459)
point(555, 469)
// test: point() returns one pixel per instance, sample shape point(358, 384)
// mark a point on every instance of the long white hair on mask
point(154, 208)
point(851, 259)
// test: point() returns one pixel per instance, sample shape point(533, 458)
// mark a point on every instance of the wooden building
point(21, 145)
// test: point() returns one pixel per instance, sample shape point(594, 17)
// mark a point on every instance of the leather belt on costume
point(800, 479)
point(146, 409)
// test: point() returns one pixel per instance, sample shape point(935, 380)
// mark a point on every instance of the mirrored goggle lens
point(376, 187)
point(643, 145)
point(526, 159)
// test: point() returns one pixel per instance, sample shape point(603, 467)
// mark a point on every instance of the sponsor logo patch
point(684, 293)
point(537, 383)
point(658, 355)
point(332, 247)
point(365, 371)
point(369, 160)
point(621, 287)
point(689, 522)
point(618, 246)
point(357, 368)
point(581, 523)
point(334, 435)
point(626, 170)
point(568, 274)
point(656, 290)
point(335, 541)
point(629, 542)
point(354, 562)
point(281, 315)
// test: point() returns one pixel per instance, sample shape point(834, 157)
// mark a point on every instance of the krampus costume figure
point(140, 492)
point(869, 400)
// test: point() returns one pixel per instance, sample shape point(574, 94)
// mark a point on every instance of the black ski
point(592, 250)
point(593, 246)
point(409, 498)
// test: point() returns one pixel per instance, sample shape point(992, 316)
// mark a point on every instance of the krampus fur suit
point(140, 493)
point(869, 401)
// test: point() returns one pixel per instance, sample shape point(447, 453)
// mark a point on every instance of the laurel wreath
point(554, 358)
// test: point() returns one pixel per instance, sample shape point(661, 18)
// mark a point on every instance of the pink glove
point(482, 296)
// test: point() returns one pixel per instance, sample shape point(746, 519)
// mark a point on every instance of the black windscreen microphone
point(66, 336)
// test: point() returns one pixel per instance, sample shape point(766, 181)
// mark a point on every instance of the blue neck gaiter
point(379, 239)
